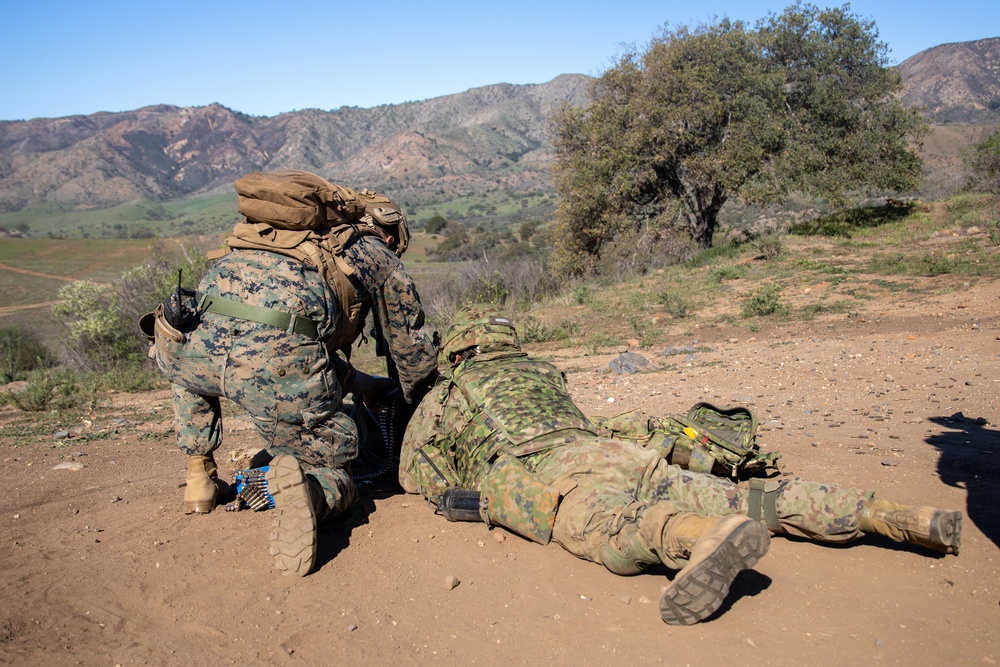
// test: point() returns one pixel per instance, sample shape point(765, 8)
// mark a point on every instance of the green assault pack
point(709, 439)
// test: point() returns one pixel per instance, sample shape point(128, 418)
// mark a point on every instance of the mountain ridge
point(482, 140)
point(161, 152)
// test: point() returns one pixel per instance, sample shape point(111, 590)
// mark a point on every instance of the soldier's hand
point(372, 387)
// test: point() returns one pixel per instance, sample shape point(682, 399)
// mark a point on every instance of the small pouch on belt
point(163, 328)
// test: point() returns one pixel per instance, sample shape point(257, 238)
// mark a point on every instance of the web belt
point(212, 303)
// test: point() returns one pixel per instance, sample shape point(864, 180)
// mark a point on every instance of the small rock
point(890, 462)
point(627, 599)
point(498, 537)
point(586, 599)
point(352, 628)
point(629, 362)
point(62, 435)
point(643, 600)
point(451, 582)
point(69, 465)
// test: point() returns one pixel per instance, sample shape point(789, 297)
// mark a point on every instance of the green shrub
point(102, 333)
point(20, 353)
point(763, 301)
point(728, 272)
point(676, 304)
point(769, 247)
point(532, 330)
point(582, 294)
point(983, 163)
point(913, 265)
point(48, 389)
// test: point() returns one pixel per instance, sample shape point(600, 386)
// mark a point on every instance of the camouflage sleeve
point(425, 464)
point(390, 291)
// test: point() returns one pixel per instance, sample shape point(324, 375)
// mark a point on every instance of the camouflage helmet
point(481, 327)
point(383, 212)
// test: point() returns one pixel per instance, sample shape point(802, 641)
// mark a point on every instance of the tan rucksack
point(294, 199)
point(301, 215)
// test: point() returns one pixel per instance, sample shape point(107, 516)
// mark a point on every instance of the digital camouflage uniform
point(607, 500)
point(292, 386)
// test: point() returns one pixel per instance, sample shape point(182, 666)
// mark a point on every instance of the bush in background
point(983, 163)
point(20, 353)
point(763, 301)
point(101, 321)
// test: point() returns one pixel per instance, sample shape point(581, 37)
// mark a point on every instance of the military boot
point(201, 487)
point(299, 505)
point(937, 529)
point(717, 549)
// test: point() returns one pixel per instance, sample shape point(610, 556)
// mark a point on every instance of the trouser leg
point(199, 434)
point(820, 512)
point(604, 514)
point(198, 421)
point(325, 450)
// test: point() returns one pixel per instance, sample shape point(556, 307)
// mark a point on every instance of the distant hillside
point(483, 154)
point(473, 142)
point(955, 83)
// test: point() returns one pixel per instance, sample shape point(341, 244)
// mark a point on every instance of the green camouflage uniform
point(290, 385)
point(502, 423)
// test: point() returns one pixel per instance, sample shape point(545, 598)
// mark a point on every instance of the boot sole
point(293, 531)
point(697, 594)
point(199, 506)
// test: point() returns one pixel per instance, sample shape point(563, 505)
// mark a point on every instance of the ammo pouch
point(514, 499)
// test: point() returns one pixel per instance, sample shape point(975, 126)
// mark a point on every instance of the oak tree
point(803, 101)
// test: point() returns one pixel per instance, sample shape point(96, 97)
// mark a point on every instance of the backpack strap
point(211, 303)
point(763, 496)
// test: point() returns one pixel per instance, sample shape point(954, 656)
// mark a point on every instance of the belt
point(211, 303)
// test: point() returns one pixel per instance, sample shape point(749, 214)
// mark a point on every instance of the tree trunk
point(703, 214)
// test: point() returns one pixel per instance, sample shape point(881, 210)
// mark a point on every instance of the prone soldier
point(499, 439)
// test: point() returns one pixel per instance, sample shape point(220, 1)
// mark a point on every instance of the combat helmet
point(382, 212)
point(477, 329)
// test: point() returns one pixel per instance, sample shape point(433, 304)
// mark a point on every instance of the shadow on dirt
point(970, 460)
point(335, 536)
point(747, 584)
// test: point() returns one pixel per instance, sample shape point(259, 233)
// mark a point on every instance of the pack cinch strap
point(211, 303)
point(763, 496)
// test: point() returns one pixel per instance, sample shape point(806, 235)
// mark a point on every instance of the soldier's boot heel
point(293, 530)
point(201, 485)
point(727, 546)
point(931, 527)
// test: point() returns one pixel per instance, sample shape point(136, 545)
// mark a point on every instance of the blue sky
point(62, 58)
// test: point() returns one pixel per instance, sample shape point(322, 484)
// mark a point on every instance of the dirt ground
point(102, 568)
